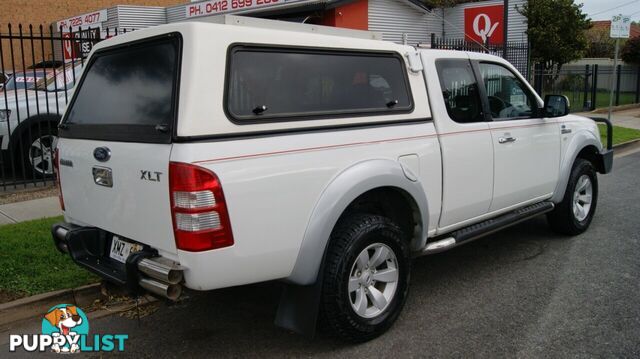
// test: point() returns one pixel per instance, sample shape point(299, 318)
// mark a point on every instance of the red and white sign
point(26, 79)
point(84, 21)
point(78, 44)
point(217, 7)
point(484, 23)
point(68, 47)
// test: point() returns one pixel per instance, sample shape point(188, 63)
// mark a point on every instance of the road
point(524, 292)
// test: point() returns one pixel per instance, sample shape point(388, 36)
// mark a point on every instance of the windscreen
point(127, 91)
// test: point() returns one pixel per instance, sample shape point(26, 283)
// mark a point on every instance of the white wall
point(396, 17)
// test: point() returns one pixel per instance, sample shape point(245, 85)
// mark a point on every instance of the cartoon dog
point(65, 319)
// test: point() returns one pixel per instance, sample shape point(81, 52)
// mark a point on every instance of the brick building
point(44, 12)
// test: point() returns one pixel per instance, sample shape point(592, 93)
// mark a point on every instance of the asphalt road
point(524, 292)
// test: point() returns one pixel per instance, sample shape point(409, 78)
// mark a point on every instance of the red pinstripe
point(309, 149)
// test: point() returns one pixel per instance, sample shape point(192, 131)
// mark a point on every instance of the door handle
point(506, 139)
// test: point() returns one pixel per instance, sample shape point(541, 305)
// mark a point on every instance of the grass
point(30, 264)
point(620, 134)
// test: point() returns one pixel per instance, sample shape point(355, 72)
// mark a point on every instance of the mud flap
point(299, 307)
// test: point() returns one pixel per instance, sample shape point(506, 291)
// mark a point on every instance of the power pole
point(613, 77)
point(620, 28)
point(505, 33)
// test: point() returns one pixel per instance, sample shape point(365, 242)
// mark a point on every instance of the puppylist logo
point(65, 329)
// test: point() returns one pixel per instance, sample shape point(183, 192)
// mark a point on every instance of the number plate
point(120, 249)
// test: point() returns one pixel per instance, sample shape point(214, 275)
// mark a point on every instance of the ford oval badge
point(102, 154)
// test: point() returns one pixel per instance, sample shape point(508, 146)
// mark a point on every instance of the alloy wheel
point(41, 154)
point(373, 280)
point(582, 198)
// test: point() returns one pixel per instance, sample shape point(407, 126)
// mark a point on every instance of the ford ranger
point(213, 154)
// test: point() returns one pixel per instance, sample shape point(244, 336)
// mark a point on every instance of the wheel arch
point(361, 184)
point(30, 122)
point(585, 145)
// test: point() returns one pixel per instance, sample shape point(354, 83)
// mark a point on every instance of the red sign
point(78, 44)
point(484, 23)
point(68, 46)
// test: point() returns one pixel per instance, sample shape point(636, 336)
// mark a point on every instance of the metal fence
point(39, 67)
point(588, 86)
point(517, 53)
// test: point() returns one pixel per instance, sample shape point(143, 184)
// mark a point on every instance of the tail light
point(56, 169)
point(198, 209)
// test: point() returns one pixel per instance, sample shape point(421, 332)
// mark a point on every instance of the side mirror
point(555, 106)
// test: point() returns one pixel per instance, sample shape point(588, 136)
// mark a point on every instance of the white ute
point(207, 155)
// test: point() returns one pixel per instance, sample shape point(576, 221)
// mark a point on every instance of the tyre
point(38, 147)
point(573, 215)
point(366, 277)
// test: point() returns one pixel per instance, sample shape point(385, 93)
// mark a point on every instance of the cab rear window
point(271, 84)
point(127, 93)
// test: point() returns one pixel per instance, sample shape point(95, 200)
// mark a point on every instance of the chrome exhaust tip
point(59, 237)
point(62, 247)
point(169, 291)
point(164, 271)
point(61, 232)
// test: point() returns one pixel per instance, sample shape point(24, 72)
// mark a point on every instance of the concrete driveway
point(524, 292)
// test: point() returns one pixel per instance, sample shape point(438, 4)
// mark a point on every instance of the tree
point(631, 51)
point(556, 31)
point(600, 44)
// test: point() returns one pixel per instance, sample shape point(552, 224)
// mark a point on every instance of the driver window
point(509, 98)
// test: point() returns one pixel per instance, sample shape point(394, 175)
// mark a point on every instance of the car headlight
point(4, 115)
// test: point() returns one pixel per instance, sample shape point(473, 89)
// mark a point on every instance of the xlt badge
point(152, 176)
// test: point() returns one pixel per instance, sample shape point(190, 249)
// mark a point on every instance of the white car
point(31, 106)
point(253, 150)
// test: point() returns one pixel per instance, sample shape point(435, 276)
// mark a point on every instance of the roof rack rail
point(289, 26)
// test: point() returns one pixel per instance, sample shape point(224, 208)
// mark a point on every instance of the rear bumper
point(144, 270)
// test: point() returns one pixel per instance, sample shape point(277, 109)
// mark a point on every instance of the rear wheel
point(573, 215)
point(38, 148)
point(366, 277)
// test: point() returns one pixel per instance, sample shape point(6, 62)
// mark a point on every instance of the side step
point(487, 227)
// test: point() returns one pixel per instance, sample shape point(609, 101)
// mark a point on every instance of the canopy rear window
point(128, 93)
point(284, 84)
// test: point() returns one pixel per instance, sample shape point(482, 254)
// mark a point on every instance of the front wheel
point(573, 215)
point(366, 277)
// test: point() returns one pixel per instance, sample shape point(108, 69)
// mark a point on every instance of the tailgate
point(115, 141)
point(135, 206)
